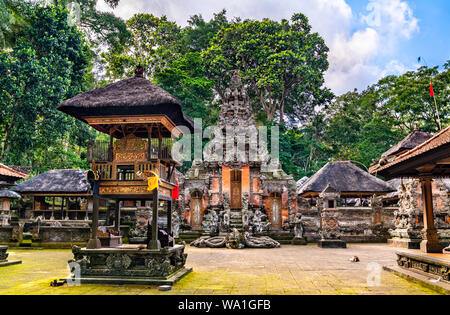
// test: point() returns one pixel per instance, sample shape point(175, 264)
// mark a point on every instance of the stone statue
point(245, 212)
point(299, 238)
point(259, 222)
point(175, 224)
point(298, 226)
point(235, 240)
point(211, 223)
point(259, 242)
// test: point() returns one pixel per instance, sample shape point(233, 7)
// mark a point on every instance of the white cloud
point(356, 42)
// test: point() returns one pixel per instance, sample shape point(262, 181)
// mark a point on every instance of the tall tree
point(48, 64)
point(283, 63)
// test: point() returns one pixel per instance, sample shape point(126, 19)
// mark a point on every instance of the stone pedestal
point(299, 241)
point(4, 257)
point(130, 265)
point(430, 243)
point(406, 243)
point(332, 244)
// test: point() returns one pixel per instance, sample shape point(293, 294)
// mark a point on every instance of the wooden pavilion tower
point(141, 121)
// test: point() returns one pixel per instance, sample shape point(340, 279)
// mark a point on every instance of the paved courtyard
point(287, 270)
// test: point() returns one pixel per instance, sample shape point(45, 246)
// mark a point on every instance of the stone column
point(94, 242)
point(169, 216)
point(154, 242)
point(430, 243)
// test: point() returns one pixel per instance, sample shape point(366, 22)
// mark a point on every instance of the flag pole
point(435, 104)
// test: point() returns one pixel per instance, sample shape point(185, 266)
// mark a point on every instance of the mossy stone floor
point(286, 270)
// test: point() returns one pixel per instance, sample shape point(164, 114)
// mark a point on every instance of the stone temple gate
point(239, 192)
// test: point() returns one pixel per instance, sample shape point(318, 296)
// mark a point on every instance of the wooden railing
point(108, 171)
point(100, 151)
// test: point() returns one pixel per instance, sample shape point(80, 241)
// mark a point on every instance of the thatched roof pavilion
point(53, 182)
point(130, 97)
point(347, 178)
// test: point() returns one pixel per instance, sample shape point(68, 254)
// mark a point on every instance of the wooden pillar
point(117, 216)
point(52, 217)
point(94, 242)
point(62, 208)
point(430, 243)
point(110, 149)
point(169, 216)
point(149, 148)
point(154, 242)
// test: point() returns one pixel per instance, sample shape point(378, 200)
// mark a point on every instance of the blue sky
point(368, 39)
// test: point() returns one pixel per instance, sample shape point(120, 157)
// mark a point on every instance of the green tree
point(47, 65)
point(283, 63)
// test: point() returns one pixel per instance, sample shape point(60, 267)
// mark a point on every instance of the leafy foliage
point(283, 63)
point(48, 64)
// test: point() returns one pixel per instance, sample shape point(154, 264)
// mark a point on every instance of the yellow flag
point(152, 182)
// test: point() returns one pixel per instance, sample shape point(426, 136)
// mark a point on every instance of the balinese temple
point(8, 178)
point(135, 165)
point(234, 183)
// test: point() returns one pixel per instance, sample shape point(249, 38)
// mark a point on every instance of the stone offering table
point(4, 257)
point(130, 264)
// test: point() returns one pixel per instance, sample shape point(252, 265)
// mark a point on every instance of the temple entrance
point(196, 210)
point(276, 210)
point(236, 189)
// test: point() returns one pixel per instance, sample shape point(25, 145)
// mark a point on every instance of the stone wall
point(48, 236)
point(357, 224)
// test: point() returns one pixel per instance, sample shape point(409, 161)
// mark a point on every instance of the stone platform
point(404, 243)
point(129, 264)
point(433, 265)
point(4, 257)
point(332, 244)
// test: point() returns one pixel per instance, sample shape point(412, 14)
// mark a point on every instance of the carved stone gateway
point(130, 265)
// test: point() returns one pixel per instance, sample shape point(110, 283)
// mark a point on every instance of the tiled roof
point(7, 171)
point(438, 140)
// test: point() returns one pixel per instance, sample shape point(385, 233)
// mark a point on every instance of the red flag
point(431, 89)
point(176, 191)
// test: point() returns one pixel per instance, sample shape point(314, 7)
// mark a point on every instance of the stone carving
point(139, 232)
point(298, 226)
point(209, 242)
point(405, 219)
point(118, 262)
point(175, 224)
point(3, 254)
point(235, 240)
point(245, 212)
point(158, 267)
point(259, 222)
point(211, 223)
point(408, 261)
point(135, 263)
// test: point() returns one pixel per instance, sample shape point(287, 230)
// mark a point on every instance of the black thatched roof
point(135, 96)
point(57, 182)
point(414, 139)
point(345, 177)
point(5, 193)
